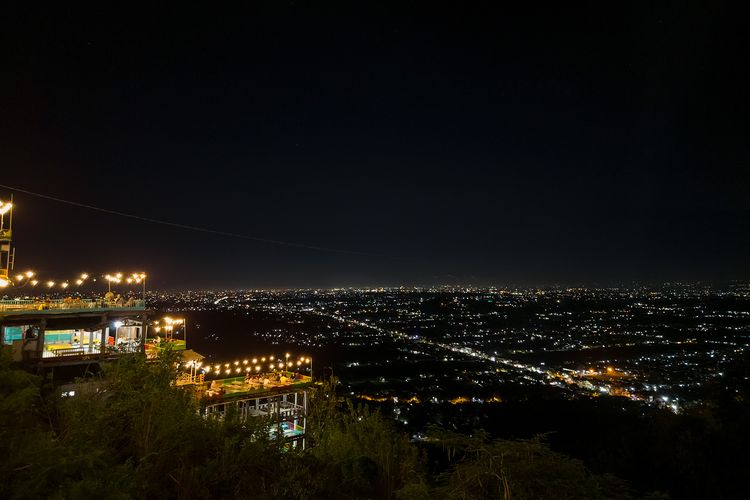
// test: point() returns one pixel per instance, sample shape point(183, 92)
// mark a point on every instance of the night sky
point(465, 145)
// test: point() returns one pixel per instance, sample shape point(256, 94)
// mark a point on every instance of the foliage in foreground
point(525, 469)
point(135, 435)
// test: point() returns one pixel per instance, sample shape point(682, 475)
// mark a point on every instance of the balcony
point(56, 306)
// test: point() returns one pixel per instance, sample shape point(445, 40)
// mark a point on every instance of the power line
point(191, 228)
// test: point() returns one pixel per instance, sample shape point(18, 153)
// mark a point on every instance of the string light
point(249, 363)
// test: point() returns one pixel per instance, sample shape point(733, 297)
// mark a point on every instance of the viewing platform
point(233, 388)
point(65, 306)
point(281, 398)
point(64, 331)
point(271, 387)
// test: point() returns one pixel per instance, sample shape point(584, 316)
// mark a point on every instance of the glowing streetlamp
point(112, 279)
point(139, 278)
point(22, 278)
point(5, 207)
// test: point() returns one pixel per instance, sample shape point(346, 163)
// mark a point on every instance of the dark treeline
point(134, 434)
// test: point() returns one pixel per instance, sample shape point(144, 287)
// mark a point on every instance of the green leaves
point(131, 433)
point(523, 469)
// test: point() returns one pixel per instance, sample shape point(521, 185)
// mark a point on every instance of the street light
point(140, 278)
point(5, 207)
point(110, 279)
point(24, 276)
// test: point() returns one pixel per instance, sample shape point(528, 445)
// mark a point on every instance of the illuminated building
point(44, 331)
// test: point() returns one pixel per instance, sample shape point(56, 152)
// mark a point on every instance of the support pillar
point(144, 333)
point(40, 338)
point(105, 329)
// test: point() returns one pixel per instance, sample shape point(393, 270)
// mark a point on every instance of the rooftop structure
point(70, 322)
point(62, 331)
point(274, 388)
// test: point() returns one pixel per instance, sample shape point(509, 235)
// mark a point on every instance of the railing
point(17, 305)
point(70, 351)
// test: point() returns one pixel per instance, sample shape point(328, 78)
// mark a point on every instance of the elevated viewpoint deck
point(284, 401)
point(16, 307)
point(67, 331)
point(232, 389)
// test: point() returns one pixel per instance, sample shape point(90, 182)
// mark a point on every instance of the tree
point(522, 469)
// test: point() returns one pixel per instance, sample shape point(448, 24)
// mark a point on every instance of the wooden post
point(144, 332)
point(103, 348)
point(40, 338)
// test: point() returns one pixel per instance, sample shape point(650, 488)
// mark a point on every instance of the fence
point(19, 305)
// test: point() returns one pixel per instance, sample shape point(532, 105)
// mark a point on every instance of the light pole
point(117, 278)
point(5, 207)
point(139, 278)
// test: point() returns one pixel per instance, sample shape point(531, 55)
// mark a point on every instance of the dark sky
point(465, 145)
